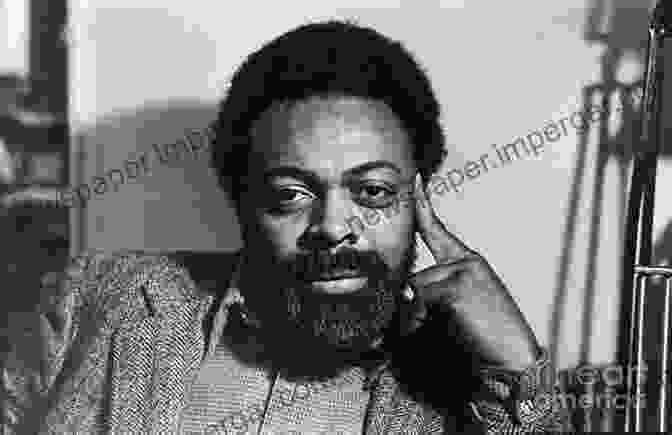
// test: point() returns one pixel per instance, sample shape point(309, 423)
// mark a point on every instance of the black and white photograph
point(354, 217)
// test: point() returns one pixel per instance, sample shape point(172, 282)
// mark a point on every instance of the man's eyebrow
point(292, 172)
point(370, 166)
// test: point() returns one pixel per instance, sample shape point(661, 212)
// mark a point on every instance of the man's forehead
point(336, 132)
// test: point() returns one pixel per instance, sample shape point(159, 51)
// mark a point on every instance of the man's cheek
point(393, 239)
point(394, 229)
point(282, 232)
point(273, 239)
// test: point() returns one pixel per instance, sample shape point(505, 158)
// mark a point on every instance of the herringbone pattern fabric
point(121, 340)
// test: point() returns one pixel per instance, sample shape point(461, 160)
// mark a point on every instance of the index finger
point(444, 246)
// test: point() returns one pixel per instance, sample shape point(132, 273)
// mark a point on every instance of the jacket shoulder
point(159, 281)
point(93, 273)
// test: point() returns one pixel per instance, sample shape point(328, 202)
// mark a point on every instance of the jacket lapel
point(179, 350)
point(155, 360)
point(132, 370)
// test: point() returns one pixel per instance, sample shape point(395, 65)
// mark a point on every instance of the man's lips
point(338, 284)
point(334, 276)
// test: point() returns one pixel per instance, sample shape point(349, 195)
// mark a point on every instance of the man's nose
point(329, 222)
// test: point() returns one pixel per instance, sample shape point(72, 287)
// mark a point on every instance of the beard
point(333, 328)
point(351, 321)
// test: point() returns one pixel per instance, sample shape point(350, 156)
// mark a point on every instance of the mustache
point(346, 263)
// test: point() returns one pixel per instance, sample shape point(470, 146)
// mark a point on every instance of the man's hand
point(463, 287)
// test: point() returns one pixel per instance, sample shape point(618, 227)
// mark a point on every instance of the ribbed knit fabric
point(230, 396)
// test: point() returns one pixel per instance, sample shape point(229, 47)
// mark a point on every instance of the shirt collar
point(233, 299)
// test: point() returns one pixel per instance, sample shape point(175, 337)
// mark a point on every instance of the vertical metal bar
point(664, 365)
point(634, 415)
point(639, 361)
point(632, 352)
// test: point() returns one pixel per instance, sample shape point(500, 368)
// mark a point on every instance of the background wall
point(14, 47)
point(144, 74)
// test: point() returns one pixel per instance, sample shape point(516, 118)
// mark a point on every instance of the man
point(322, 327)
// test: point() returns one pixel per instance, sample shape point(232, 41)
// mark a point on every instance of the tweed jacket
point(119, 341)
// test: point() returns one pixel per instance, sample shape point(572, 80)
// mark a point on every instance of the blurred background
point(87, 86)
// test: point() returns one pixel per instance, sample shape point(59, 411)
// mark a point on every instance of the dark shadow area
point(620, 26)
point(35, 245)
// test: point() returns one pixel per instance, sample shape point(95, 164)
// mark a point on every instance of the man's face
point(320, 172)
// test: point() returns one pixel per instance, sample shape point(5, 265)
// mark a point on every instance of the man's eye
point(289, 197)
point(374, 192)
point(375, 195)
